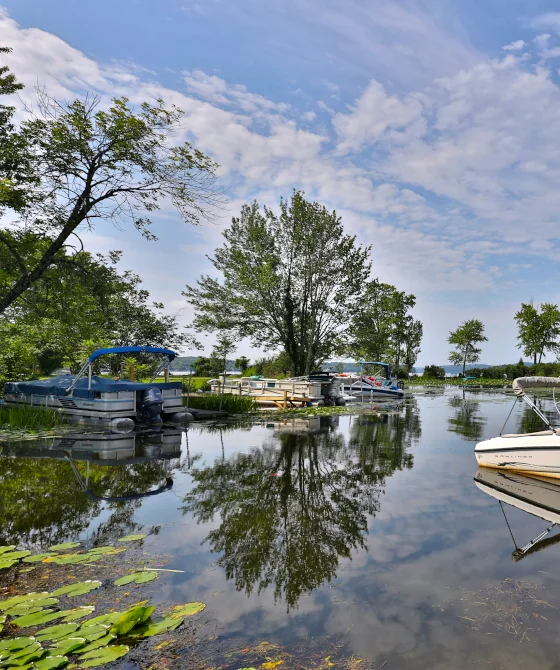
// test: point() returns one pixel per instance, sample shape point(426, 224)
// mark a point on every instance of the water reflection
point(466, 419)
point(291, 509)
point(538, 496)
point(43, 482)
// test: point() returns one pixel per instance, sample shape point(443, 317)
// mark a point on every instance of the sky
point(433, 128)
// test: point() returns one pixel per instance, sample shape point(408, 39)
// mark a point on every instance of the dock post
point(166, 374)
point(285, 399)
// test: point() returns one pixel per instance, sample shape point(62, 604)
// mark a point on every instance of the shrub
point(435, 372)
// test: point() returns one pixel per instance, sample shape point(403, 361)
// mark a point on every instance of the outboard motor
point(151, 406)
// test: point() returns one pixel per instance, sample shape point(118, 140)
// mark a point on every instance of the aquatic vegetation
point(140, 577)
point(13, 417)
point(132, 538)
point(233, 404)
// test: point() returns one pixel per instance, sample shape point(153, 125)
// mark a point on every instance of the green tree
point(290, 281)
point(434, 372)
point(539, 329)
point(81, 163)
point(382, 329)
point(469, 334)
point(242, 363)
point(207, 366)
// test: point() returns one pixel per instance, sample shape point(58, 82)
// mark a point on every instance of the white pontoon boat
point(535, 453)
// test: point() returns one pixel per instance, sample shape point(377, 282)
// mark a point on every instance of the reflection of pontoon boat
point(536, 453)
point(536, 495)
point(101, 398)
point(378, 385)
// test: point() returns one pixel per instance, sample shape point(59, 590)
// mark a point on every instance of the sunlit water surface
point(364, 527)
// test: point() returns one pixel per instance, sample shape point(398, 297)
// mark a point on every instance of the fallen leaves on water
point(269, 665)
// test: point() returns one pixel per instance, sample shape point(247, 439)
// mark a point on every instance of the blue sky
point(432, 127)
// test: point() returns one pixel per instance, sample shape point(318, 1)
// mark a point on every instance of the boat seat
point(540, 432)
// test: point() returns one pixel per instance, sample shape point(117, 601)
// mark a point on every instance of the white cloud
point(514, 46)
point(548, 20)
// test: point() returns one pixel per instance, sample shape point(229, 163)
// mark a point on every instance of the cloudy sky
point(433, 127)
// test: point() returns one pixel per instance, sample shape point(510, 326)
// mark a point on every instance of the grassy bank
point(230, 403)
point(30, 419)
point(454, 381)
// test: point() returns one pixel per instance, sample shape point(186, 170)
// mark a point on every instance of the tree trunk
point(464, 362)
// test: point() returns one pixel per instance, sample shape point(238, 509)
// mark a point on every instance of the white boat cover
point(521, 383)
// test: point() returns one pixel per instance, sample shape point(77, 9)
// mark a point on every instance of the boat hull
point(533, 453)
point(374, 392)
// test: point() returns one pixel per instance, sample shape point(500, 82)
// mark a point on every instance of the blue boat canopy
point(383, 365)
point(131, 350)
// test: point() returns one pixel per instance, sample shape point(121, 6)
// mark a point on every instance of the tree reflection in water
point(290, 510)
point(43, 503)
point(466, 420)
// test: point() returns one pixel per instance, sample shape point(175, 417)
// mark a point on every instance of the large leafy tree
point(291, 281)
point(539, 329)
point(71, 164)
point(465, 338)
point(383, 328)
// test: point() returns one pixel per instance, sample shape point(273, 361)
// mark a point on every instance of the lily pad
point(188, 609)
point(51, 663)
point(25, 608)
point(103, 656)
point(36, 558)
point(37, 619)
point(5, 548)
point(102, 550)
point(158, 627)
point(92, 633)
point(57, 632)
point(10, 555)
point(78, 612)
point(109, 618)
point(139, 577)
point(69, 645)
point(128, 620)
point(26, 651)
point(77, 589)
point(100, 642)
point(27, 658)
point(22, 611)
point(71, 559)
point(16, 643)
point(64, 546)
point(6, 563)
point(132, 538)
point(9, 603)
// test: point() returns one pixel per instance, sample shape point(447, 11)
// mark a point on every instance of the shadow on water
point(466, 419)
point(291, 509)
point(51, 489)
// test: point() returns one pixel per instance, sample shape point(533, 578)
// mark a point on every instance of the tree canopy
point(539, 329)
point(69, 165)
point(465, 338)
point(290, 281)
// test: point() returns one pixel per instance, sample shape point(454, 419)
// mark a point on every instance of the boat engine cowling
point(151, 406)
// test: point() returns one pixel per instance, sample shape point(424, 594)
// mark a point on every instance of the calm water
point(365, 526)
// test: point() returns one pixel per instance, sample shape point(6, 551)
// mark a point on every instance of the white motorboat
point(378, 385)
point(534, 453)
point(538, 496)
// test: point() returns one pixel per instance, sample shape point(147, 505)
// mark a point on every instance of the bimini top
point(131, 350)
point(521, 383)
point(383, 365)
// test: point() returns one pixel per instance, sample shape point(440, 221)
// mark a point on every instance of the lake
point(362, 534)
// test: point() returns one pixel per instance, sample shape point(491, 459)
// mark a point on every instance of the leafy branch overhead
point(74, 163)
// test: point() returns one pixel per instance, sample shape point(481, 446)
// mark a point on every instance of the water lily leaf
point(140, 577)
point(130, 619)
point(51, 663)
point(102, 656)
point(132, 538)
point(35, 605)
point(188, 609)
point(16, 600)
point(77, 589)
point(37, 619)
point(64, 546)
point(102, 550)
point(109, 618)
point(159, 627)
point(100, 642)
point(36, 558)
point(24, 660)
point(71, 559)
point(8, 563)
point(5, 548)
point(78, 612)
point(16, 643)
point(57, 632)
point(27, 651)
point(69, 645)
point(92, 633)
point(10, 555)
point(270, 665)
